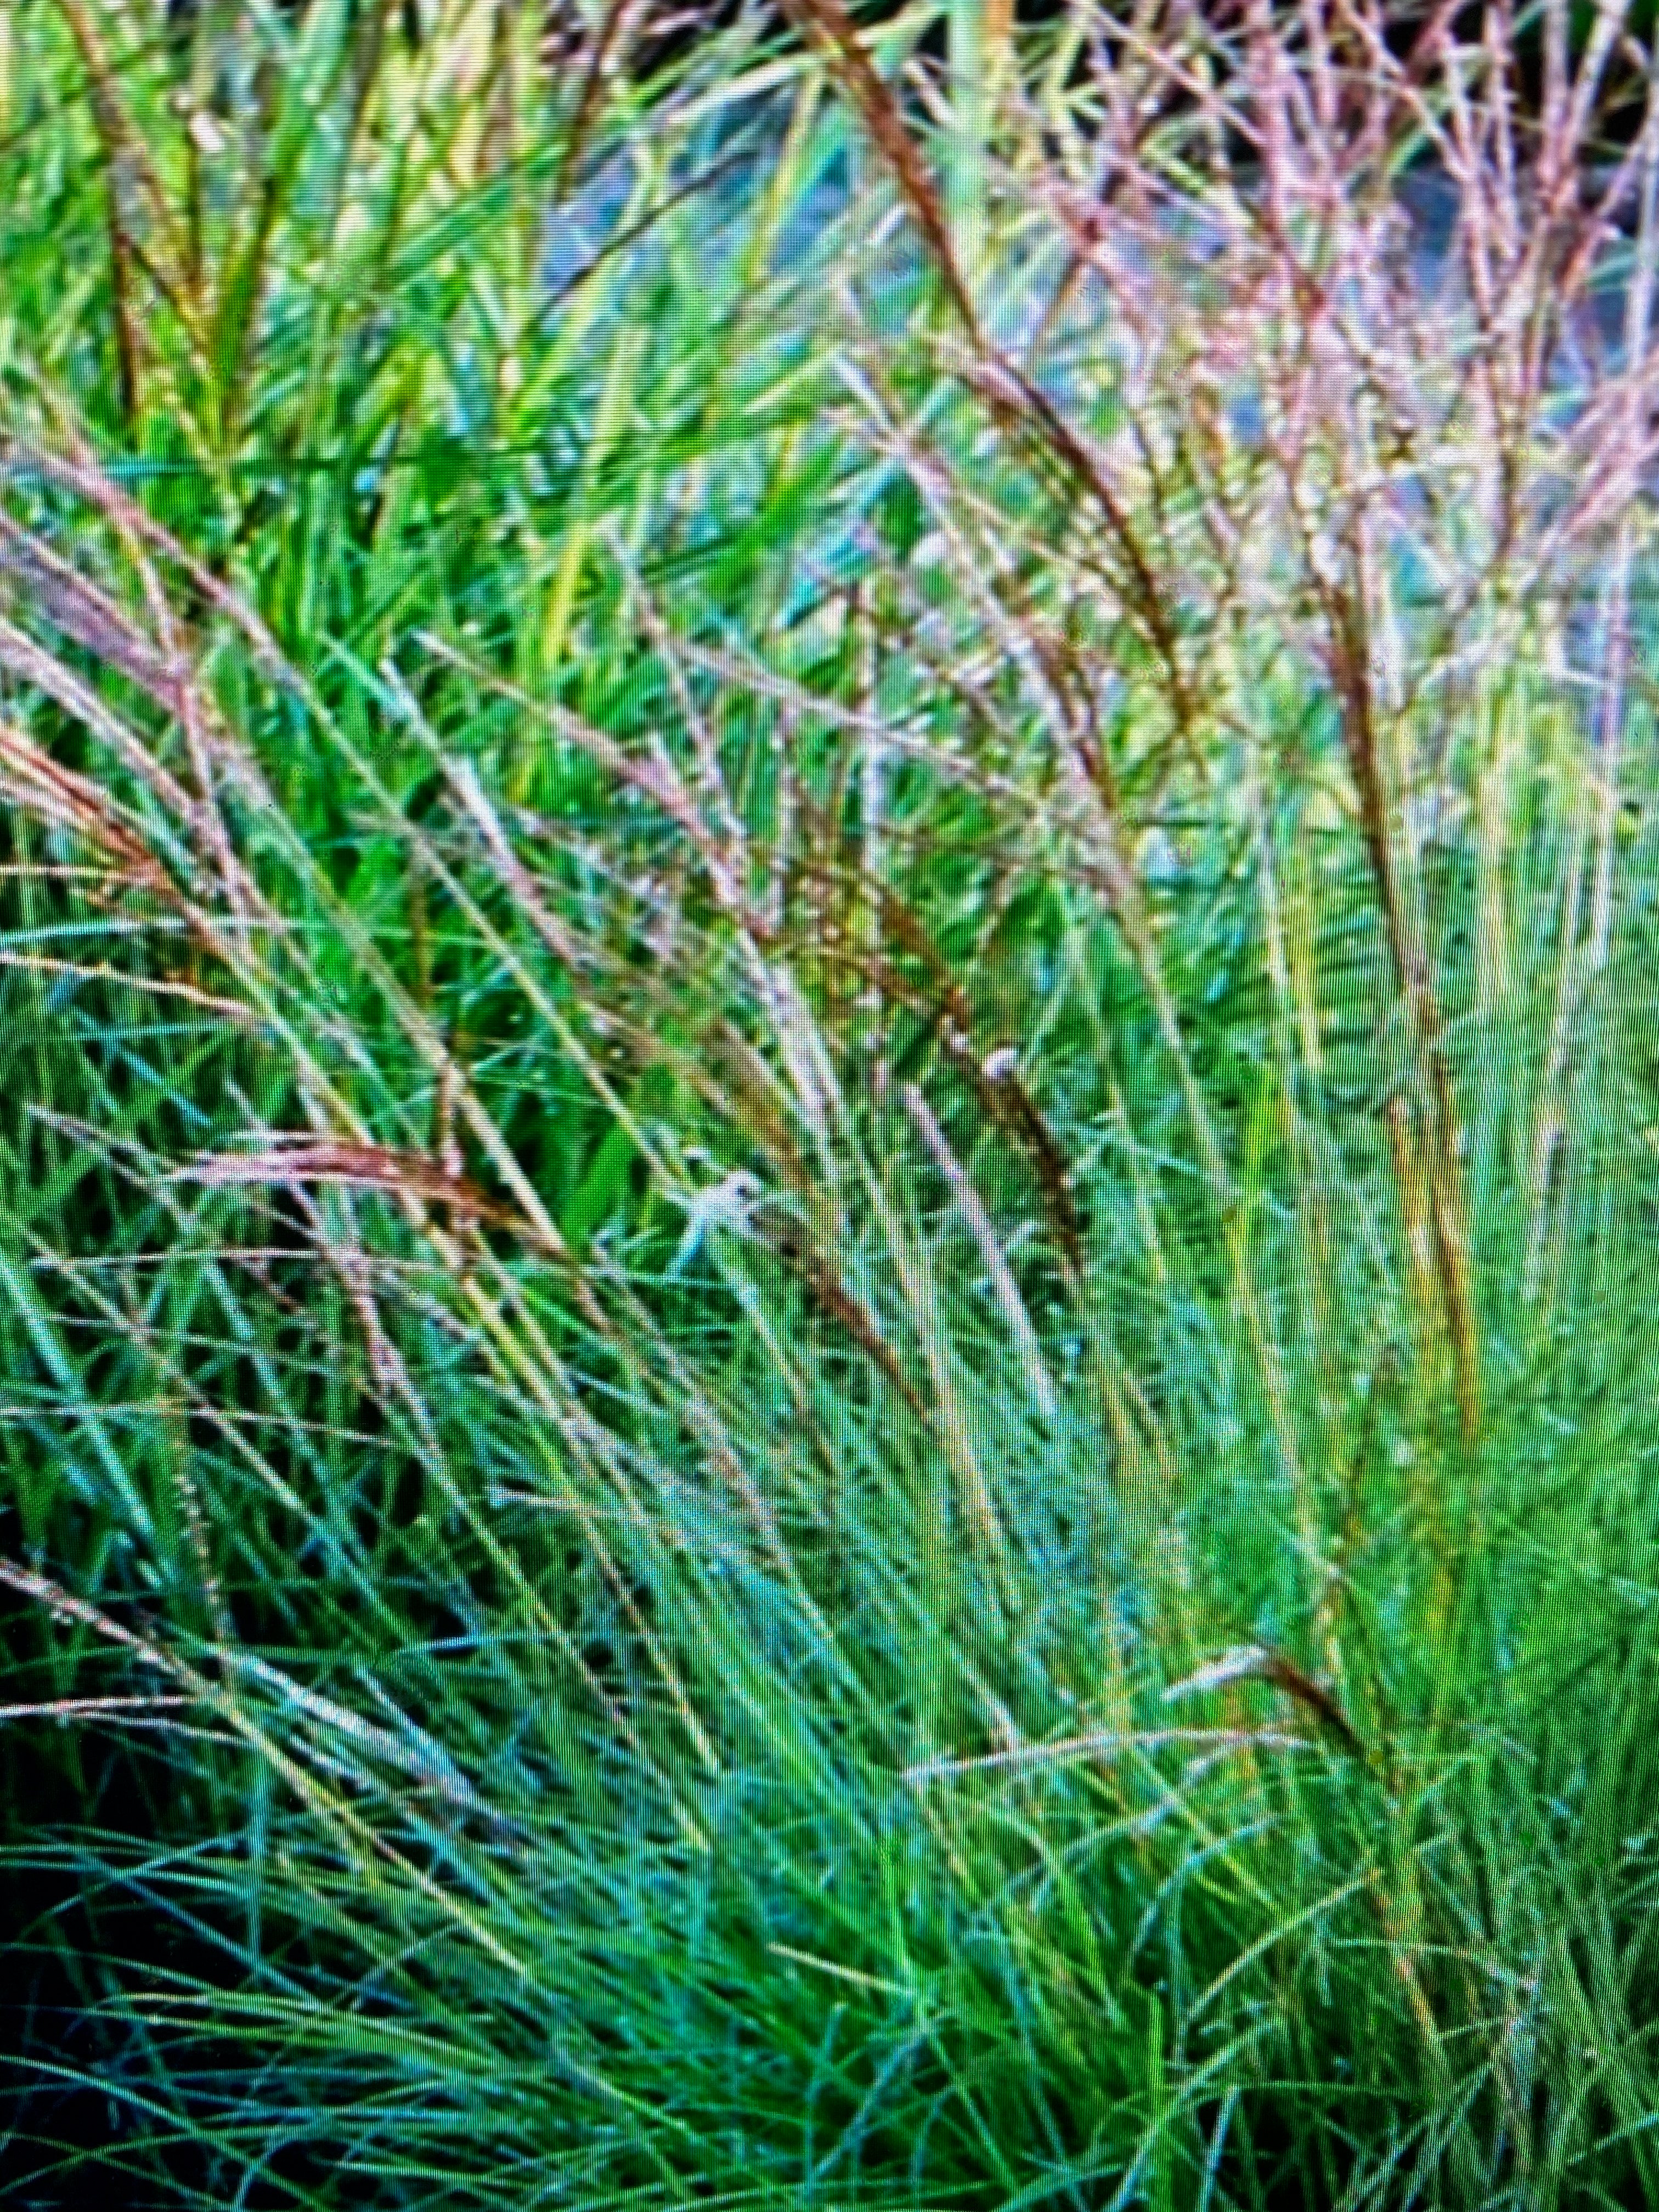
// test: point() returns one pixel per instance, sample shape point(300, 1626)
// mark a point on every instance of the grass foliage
point(830, 1145)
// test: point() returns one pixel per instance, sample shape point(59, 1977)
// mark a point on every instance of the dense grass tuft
point(829, 1155)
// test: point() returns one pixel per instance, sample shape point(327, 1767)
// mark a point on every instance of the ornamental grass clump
point(829, 1159)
